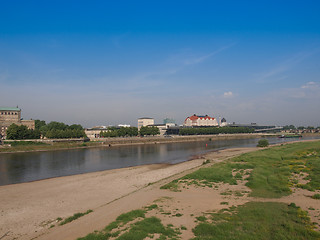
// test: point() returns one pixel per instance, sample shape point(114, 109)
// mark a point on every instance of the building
point(94, 132)
point(163, 128)
point(169, 120)
point(9, 116)
point(197, 121)
point(223, 122)
point(142, 122)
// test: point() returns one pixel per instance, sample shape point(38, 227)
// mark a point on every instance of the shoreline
point(116, 142)
point(29, 209)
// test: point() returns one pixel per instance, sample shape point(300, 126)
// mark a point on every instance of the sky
point(112, 62)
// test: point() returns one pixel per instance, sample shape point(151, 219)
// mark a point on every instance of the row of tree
point(292, 127)
point(130, 131)
point(121, 132)
point(50, 130)
point(59, 130)
point(214, 130)
point(16, 132)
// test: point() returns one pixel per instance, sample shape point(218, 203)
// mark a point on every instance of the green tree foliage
point(263, 143)
point(60, 130)
point(16, 132)
point(289, 127)
point(214, 130)
point(75, 127)
point(149, 131)
point(39, 124)
point(67, 133)
point(121, 132)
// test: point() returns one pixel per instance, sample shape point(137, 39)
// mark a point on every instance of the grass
point(258, 220)
point(316, 196)
point(24, 143)
point(271, 170)
point(74, 217)
point(148, 226)
point(173, 186)
point(27, 146)
point(134, 226)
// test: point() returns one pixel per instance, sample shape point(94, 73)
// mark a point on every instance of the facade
point(9, 116)
point(94, 132)
point(197, 121)
point(163, 128)
point(142, 122)
point(223, 122)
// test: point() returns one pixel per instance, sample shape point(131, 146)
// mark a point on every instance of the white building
point(195, 120)
point(142, 122)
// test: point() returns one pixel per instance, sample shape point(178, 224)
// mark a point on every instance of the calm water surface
point(26, 167)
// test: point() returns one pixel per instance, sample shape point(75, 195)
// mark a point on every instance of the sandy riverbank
point(29, 209)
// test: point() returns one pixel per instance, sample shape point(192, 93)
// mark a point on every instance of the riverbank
point(31, 210)
point(28, 210)
point(55, 144)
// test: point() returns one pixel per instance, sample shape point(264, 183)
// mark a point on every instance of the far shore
point(62, 144)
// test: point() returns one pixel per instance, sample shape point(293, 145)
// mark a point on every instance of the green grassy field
point(135, 225)
point(271, 170)
point(257, 220)
point(270, 173)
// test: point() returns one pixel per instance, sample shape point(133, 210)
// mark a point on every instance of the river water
point(32, 166)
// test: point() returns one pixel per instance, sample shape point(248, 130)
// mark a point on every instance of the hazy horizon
point(109, 63)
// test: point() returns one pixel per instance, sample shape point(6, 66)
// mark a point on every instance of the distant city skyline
point(112, 62)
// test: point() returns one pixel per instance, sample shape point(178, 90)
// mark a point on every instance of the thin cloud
point(287, 65)
point(228, 94)
point(310, 85)
point(310, 90)
point(196, 60)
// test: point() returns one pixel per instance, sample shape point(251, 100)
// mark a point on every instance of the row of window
point(9, 113)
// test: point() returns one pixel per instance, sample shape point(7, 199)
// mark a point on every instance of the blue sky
point(111, 62)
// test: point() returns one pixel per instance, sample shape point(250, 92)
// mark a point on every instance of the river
point(32, 166)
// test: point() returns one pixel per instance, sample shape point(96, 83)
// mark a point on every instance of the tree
point(75, 127)
point(39, 124)
point(149, 131)
point(289, 127)
point(263, 143)
point(16, 132)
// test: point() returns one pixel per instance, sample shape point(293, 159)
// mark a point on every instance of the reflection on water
point(25, 167)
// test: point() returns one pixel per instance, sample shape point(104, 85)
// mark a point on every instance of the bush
point(263, 143)
point(316, 196)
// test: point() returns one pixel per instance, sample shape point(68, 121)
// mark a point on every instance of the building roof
point(195, 117)
point(9, 109)
point(145, 118)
